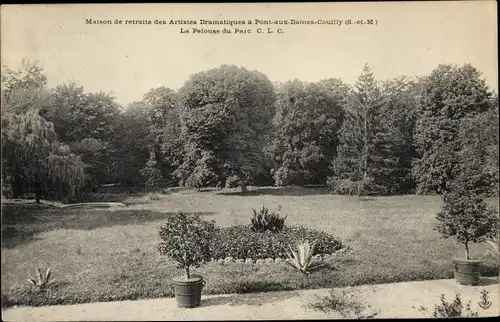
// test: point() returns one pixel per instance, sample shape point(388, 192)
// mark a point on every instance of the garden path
point(397, 300)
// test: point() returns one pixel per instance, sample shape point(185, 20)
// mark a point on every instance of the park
point(344, 166)
point(324, 197)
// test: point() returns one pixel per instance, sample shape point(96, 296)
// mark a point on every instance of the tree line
point(230, 126)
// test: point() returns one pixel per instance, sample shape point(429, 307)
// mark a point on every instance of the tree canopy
point(225, 113)
point(450, 96)
point(231, 126)
point(308, 117)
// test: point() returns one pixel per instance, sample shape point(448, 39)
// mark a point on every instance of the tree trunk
point(17, 188)
point(243, 187)
point(38, 192)
point(365, 154)
point(187, 272)
point(467, 253)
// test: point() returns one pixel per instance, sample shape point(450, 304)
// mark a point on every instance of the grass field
point(102, 255)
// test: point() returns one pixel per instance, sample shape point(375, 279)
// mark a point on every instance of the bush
point(346, 302)
point(265, 220)
point(456, 309)
point(343, 186)
point(242, 242)
point(151, 174)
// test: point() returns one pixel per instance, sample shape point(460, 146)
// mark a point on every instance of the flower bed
point(240, 242)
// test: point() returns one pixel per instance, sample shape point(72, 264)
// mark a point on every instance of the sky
point(409, 38)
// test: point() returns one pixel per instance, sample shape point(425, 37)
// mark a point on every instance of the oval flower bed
point(240, 242)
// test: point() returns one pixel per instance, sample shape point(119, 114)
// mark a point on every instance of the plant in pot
point(466, 217)
point(186, 239)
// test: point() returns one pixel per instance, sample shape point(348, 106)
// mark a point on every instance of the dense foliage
point(308, 117)
point(451, 97)
point(241, 242)
point(186, 239)
point(231, 126)
point(225, 114)
point(366, 154)
point(33, 159)
point(466, 217)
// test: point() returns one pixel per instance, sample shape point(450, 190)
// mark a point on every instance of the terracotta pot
point(466, 271)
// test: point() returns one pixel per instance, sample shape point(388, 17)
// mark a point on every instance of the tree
point(308, 117)
point(130, 144)
point(29, 76)
point(161, 107)
point(86, 122)
point(78, 115)
point(449, 95)
point(225, 113)
point(366, 155)
point(466, 216)
point(478, 154)
point(24, 89)
point(33, 160)
point(401, 106)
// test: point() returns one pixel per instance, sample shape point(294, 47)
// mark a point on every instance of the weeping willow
point(66, 171)
point(34, 161)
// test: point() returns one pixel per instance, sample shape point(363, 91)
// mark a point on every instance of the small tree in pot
point(186, 239)
point(466, 217)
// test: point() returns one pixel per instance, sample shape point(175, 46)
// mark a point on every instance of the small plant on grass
point(457, 309)
point(342, 301)
point(302, 257)
point(267, 220)
point(154, 196)
point(186, 239)
point(42, 281)
point(466, 217)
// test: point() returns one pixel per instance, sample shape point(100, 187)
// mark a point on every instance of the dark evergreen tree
point(366, 156)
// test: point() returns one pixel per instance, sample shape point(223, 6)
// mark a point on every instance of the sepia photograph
point(249, 161)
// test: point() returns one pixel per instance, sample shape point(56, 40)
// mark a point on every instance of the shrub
point(343, 301)
point(343, 186)
point(151, 174)
point(186, 239)
point(242, 242)
point(265, 220)
point(153, 196)
point(456, 309)
point(466, 217)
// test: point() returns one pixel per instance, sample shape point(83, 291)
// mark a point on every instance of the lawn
point(102, 255)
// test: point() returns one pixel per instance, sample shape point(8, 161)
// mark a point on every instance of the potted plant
point(185, 238)
point(466, 217)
